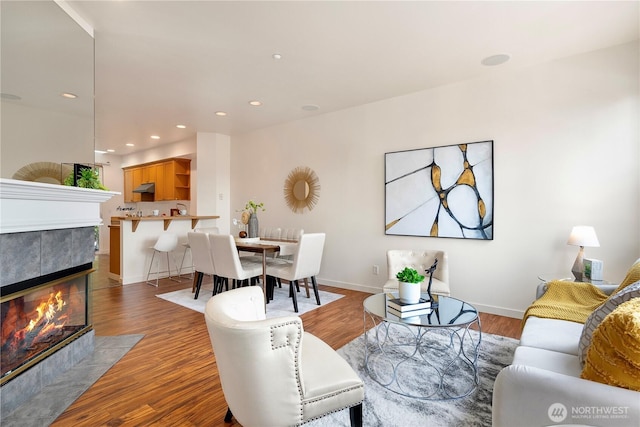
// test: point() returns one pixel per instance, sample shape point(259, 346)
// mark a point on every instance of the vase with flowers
point(250, 217)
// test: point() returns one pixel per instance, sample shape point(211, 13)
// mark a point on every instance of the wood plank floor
point(170, 378)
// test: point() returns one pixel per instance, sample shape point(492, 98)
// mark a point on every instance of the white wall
point(211, 188)
point(32, 135)
point(566, 152)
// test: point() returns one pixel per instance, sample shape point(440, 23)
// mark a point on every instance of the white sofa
point(542, 386)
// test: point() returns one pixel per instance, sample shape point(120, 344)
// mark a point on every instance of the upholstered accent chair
point(272, 372)
point(398, 259)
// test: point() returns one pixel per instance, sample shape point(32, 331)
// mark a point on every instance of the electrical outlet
point(376, 270)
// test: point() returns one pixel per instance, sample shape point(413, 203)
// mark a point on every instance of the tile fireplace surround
point(44, 229)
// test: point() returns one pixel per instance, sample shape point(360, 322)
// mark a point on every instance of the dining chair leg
point(199, 275)
point(306, 286)
point(292, 292)
point(194, 283)
point(216, 285)
point(315, 289)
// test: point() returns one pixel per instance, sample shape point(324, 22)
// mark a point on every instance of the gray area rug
point(384, 408)
point(280, 306)
point(54, 399)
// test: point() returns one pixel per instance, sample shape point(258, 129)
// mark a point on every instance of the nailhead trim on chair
point(273, 329)
point(275, 346)
point(336, 410)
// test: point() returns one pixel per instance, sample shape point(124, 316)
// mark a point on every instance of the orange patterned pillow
point(614, 354)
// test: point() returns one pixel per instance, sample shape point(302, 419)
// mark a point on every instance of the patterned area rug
point(389, 409)
point(281, 305)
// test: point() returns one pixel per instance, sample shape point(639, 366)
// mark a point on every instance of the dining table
point(264, 247)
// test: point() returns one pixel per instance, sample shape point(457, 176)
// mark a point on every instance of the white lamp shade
point(583, 235)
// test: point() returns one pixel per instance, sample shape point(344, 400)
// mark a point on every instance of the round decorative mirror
point(301, 189)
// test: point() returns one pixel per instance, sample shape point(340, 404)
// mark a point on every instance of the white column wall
point(212, 187)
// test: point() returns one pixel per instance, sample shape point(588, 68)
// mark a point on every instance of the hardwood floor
point(169, 378)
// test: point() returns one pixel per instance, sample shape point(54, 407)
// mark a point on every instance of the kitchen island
point(132, 240)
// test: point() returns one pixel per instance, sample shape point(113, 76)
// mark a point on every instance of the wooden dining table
point(284, 247)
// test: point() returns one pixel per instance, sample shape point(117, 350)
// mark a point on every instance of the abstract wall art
point(440, 191)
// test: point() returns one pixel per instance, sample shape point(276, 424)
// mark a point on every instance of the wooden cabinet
point(160, 185)
point(172, 178)
point(114, 247)
point(128, 186)
point(177, 175)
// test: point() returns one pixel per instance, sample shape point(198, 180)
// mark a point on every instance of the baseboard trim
point(491, 309)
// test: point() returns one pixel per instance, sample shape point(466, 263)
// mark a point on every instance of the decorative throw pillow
point(633, 275)
point(614, 355)
point(594, 319)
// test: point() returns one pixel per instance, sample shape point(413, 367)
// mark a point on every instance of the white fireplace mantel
point(35, 206)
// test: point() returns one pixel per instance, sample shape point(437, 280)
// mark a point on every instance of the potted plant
point(410, 285)
point(88, 178)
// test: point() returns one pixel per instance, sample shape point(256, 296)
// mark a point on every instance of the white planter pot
point(409, 292)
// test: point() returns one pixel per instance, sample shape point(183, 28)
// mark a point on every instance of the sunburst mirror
point(301, 189)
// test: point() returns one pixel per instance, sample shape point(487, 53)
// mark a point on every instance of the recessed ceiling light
point(310, 107)
point(493, 60)
point(255, 103)
point(99, 151)
point(69, 95)
point(181, 126)
point(221, 113)
point(130, 145)
point(155, 137)
point(276, 56)
point(111, 150)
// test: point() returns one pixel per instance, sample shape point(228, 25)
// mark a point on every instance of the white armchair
point(398, 259)
point(272, 372)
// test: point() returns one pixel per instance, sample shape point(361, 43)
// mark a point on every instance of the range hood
point(148, 187)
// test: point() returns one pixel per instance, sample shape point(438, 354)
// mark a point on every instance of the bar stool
point(187, 248)
point(166, 243)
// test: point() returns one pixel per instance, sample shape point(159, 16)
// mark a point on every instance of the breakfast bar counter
point(137, 235)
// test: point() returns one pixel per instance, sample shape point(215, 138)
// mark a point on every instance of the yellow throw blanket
point(572, 301)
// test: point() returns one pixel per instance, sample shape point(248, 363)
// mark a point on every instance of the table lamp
point(581, 235)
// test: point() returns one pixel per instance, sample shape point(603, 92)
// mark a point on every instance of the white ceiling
point(162, 63)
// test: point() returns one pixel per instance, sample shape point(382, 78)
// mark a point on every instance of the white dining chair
point(202, 262)
point(228, 263)
point(166, 243)
point(187, 248)
point(305, 264)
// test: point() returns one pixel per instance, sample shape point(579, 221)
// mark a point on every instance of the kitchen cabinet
point(177, 184)
point(172, 178)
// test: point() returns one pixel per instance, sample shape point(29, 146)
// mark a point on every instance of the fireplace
point(47, 242)
point(40, 316)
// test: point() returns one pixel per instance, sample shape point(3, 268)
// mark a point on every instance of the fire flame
point(47, 310)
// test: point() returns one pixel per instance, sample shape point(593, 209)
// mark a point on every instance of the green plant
point(252, 207)
point(409, 275)
point(89, 178)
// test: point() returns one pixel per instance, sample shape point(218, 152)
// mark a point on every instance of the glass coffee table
point(430, 357)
